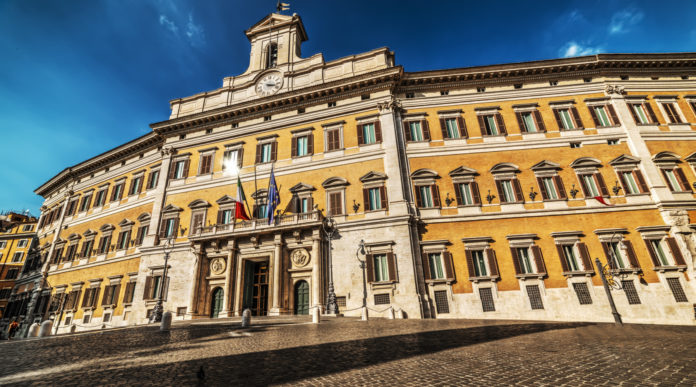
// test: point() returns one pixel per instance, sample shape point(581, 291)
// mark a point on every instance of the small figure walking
point(13, 329)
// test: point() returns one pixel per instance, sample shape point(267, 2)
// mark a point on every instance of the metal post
point(159, 309)
point(330, 229)
point(363, 264)
point(617, 316)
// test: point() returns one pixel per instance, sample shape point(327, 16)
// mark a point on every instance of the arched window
point(271, 55)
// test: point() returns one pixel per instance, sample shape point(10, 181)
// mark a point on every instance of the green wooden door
point(302, 297)
point(216, 302)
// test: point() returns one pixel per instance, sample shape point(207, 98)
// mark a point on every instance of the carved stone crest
point(392, 105)
point(614, 89)
point(217, 266)
point(300, 257)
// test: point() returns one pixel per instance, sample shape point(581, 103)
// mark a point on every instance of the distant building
point(481, 192)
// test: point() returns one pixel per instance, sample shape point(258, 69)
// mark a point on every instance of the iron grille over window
point(441, 302)
point(382, 299)
point(631, 293)
point(677, 290)
point(487, 299)
point(535, 297)
point(341, 301)
point(583, 293)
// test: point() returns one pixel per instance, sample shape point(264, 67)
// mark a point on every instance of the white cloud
point(573, 48)
point(622, 21)
point(168, 24)
point(194, 32)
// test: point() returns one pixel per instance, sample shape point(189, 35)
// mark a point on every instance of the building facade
point(482, 192)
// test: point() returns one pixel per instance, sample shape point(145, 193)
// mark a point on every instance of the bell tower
point(275, 42)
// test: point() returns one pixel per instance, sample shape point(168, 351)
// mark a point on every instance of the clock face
point(269, 84)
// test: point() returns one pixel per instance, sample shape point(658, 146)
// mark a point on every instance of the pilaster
point(160, 195)
point(395, 162)
point(229, 272)
point(277, 268)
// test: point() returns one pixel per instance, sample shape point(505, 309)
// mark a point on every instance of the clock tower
point(275, 43)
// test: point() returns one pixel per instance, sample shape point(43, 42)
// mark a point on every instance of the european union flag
point(273, 198)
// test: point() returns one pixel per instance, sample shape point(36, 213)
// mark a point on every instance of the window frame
point(497, 120)
point(333, 128)
point(359, 128)
point(461, 129)
point(272, 144)
point(482, 245)
point(532, 111)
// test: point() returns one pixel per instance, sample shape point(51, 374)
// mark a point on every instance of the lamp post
point(329, 227)
point(159, 309)
point(361, 250)
point(606, 271)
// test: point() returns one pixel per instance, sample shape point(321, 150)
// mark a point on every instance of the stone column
point(229, 272)
point(195, 284)
point(395, 162)
point(316, 272)
point(160, 195)
point(277, 268)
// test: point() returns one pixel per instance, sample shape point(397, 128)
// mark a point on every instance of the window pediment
point(301, 187)
point(199, 203)
point(89, 233)
point(260, 194)
point(546, 165)
point(463, 172)
point(505, 168)
point(691, 158)
point(666, 157)
point(107, 227)
point(585, 162)
point(225, 200)
point(373, 176)
point(125, 222)
point(334, 182)
point(74, 236)
point(144, 217)
point(424, 173)
point(171, 208)
point(625, 160)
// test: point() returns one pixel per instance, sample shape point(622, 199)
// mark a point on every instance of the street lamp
point(605, 271)
point(361, 250)
point(159, 309)
point(329, 227)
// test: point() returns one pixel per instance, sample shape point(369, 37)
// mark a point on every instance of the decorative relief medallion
point(300, 257)
point(614, 89)
point(217, 266)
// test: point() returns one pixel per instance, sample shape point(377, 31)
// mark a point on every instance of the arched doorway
point(301, 297)
point(216, 302)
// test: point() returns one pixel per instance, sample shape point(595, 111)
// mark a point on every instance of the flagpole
point(256, 190)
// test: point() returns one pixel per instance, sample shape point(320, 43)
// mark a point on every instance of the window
point(487, 303)
point(375, 198)
point(207, 131)
point(90, 298)
point(22, 243)
point(530, 122)
point(129, 293)
point(436, 266)
point(71, 252)
point(574, 145)
point(632, 182)
point(101, 197)
point(551, 187)
point(181, 311)
point(567, 118)
point(380, 267)
point(410, 95)
point(182, 137)
point(382, 299)
point(525, 261)
point(672, 113)
point(677, 290)
point(12, 274)
point(111, 295)
point(553, 83)
point(17, 257)
point(136, 185)
point(271, 55)
point(659, 248)
point(300, 110)
point(302, 145)
point(225, 216)
point(5, 293)
point(72, 206)
point(629, 289)
point(534, 297)
point(416, 130)
point(676, 180)
point(3, 244)
point(604, 115)
point(169, 228)
point(369, 133)
point(509, 190)
point(583, 293)
point(620, 254)
point(364, 97)
point(574, 257)
point(87, 248)
point(593, 185)
point(27, 227)
point(643, 113)
point(153, 287)
point(140, 235)
point(152, 179)
point(480, 89)
point(331, 104)
point(122, 240)
point(117, 191)
point(205, 165)
point(333, 139)
point(492, 124)
point(453, 127)
point(179, 170)
point(104, 244)
point(441, 301)
point(232, 160)
point(84, 204)
point(479, 263)
point(427, 196)
point(444, 92)
point(335, 203)
point(467, 194)
point(266, 152)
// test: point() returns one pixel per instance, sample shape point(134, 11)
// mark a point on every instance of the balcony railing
point(259, 224)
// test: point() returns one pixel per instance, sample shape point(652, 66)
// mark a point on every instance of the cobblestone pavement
point(346, 351)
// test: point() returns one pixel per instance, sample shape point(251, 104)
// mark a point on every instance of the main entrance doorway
point(256, 287)
point(216, 302)
point(302, 297)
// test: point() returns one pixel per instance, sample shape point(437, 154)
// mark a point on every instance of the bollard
point(391, 314)
point(166, 323)
point(400, 314)
point(364, 314)
point(45, 328)
point(316, 316)
point(33, 330)
point(246, 318)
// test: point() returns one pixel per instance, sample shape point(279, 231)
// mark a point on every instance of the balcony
point(258, 226)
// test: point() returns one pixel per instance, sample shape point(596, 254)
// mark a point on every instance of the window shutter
point(542, 188)
point(539, 121)
point(562, 257)
point(419, 199)
point(585, 256)
point(85, 299)
point(539, 259)
point(671, 113)
point(492, 262)
point(258, 154)
point(443, 127)
point(607, 253)
point(515, 260)
point(461, 124)
point(131, 187)
point(105, 298)
point(187, 164)
point(383, 197)
point(520, 122)
point(407, 131)
point(602, 186)
point(501, 124)
point(426, 130)
point(632, 109)
point(176, 228)
point(370, 267)
point(499, 187)
point(482, 125)
point(622, 179)
point(458, 194)
point(519, 195)
point(653, 256)
point(426, 266)
point(149, 180)
point(147, 294)
point(582, 185)
point(682, 179)
point(576, 117)
point(166, 289)
point(475, 192)
point(559, 186)
point(115, 294)
point(631, 252)
point(436, 195)
point(163, 228)
point(220, 216)
point(392, 266)
point(113, 193)
point(378, 131)
point(293, 150)
point(366, 200)
point(651, 113)
point(274, 151)
point(255, 212)
point(594, 116)
point(361, 139)
point(641, 181)
point(449, 266)
point(310, 144)
point(614, 118)
point(559, 122)
point(676, 252)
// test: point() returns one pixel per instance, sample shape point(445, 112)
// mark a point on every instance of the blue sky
point(80, 77)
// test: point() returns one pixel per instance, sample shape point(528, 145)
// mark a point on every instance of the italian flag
point(239, 212)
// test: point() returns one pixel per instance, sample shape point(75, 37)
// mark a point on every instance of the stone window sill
point(579, 273)
point(663, 269)
point(484, 279)
point(530, 276)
